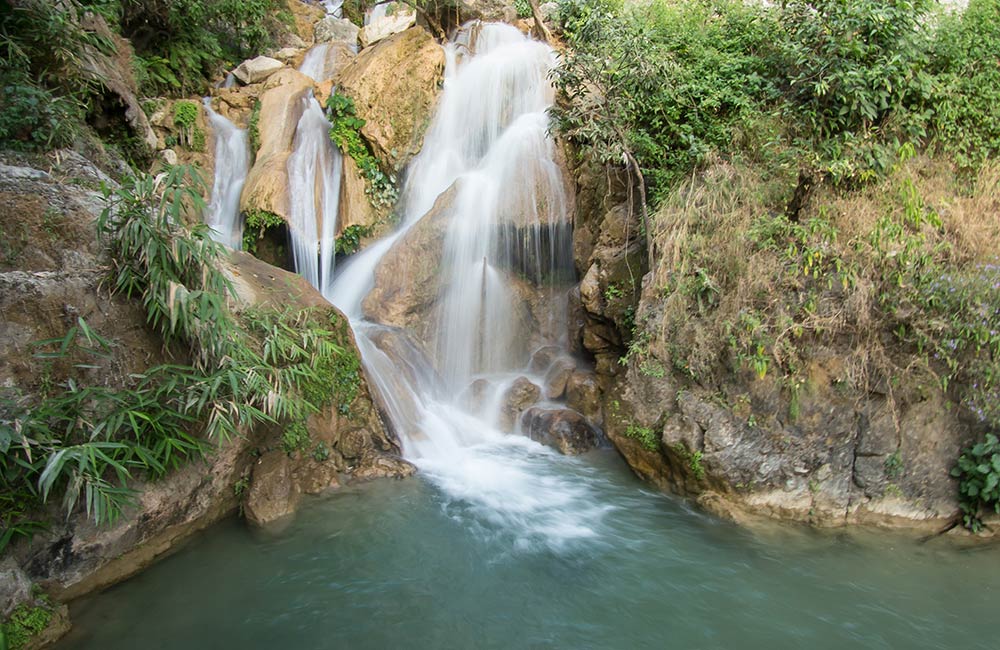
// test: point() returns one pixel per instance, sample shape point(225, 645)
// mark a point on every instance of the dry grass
point(717, 297)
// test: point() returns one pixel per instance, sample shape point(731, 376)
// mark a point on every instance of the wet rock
point(563, 429)
point(273, 494)
point(356, 208)
point(488, 10)
point(336, 30)
point(474, 397)
point(281, 106)
point(543, 357)
point(15, 587)
point(394, 85)
point(384, 467)
point(257, 69)
point(583, 394)
point(516, 399)
point(315, 477)
point(557, 377)
point(407, 277)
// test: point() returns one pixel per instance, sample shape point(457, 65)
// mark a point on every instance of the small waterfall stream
point(507, 228)
point(314, 170)
point(232, 163)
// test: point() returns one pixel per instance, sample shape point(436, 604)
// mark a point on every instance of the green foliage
point(847, 67)
point(523, 8)
point(295, 437)
point(966, 98)
point(645, 435)
point(256, 223)
point(346, 134)
point(186, 120)
point(26, 622)
point(978, 474)
point(44, 85)
point(349, 240)
point(181, 43)
point(668, 83)
point(253, 128)
point(693, 460)
point(263, 366)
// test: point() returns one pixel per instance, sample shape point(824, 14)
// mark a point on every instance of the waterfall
point(314, 63)
point(507, 228)
point(232, 163)
point(314, 171)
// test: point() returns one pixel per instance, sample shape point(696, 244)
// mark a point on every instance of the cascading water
point(314, 171)
point(314, 63)
point(232, 163)
point(507, 233)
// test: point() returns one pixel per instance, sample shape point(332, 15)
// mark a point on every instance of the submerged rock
point(563, 429)
point(273, 495)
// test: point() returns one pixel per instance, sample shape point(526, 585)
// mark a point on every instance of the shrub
point(966, 99)
point(346, 134)
point(978, 473)
point(845, 69)
point(90, 440)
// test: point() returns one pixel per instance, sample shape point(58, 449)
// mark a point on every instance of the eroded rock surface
point(394, 85)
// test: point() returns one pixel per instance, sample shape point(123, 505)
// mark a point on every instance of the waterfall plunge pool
point(410, 564)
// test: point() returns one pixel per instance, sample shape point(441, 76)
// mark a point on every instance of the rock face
point(394, 85)
point(336, 30)
point(273, 495)
point(839, 457)
point(50, 274)
point(563, 429)
point(281, 106)
point(383, 26)
point(406, 285)
point(258, 69)
point(15, 587)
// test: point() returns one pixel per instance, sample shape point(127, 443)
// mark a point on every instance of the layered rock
point(394, 85)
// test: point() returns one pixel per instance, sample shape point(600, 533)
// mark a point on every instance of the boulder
point(281, 106)
point(355, 207)
point(337, 30)
point(383, 24)
point(517, 399)
point(394, 86)
point(543, 357)
point(488, 10)
point(475, 397)
point(407, 279)
point(273, 495)
point(563, 429)
point(557, 377)
point(15, 587)
point(256, 70)
point(583, 394)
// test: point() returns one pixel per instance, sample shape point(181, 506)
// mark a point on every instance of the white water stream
point(314, 171)
point(232, 163)
point(507, 224)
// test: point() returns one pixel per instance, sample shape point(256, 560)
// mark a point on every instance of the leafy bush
point(256, 223)
point(978, 472)
point(263, 366)
point(346, 134)
point(43, 86)
point(667, 84)
point(183, 42)
point(25, 622)
point(966, 101)
point(845, 69)
point(349, 240)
